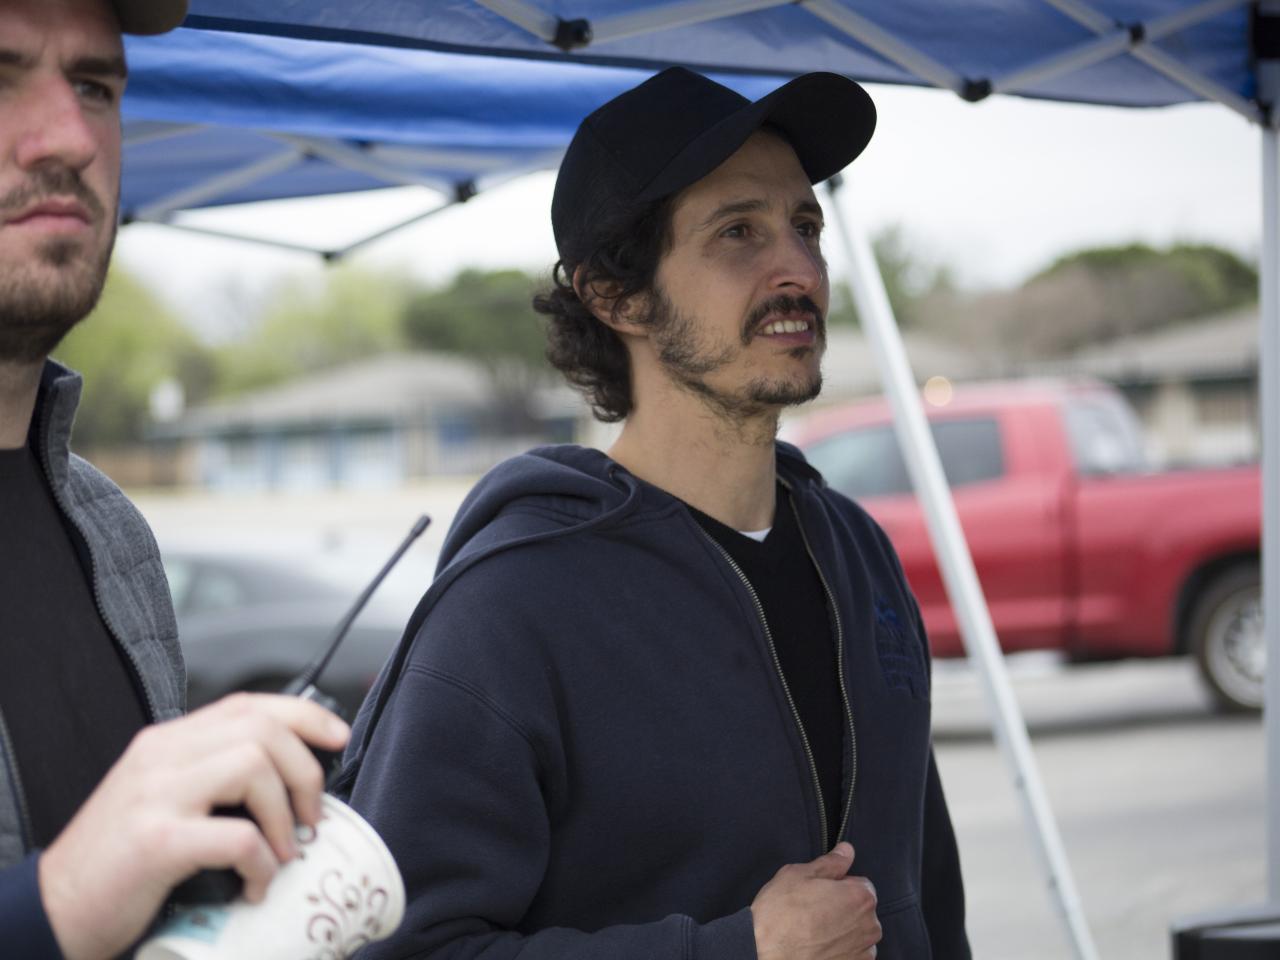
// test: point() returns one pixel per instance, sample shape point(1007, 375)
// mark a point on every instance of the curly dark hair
point(626, 246)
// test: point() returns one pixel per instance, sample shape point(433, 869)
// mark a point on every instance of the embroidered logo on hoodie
point(899, 650)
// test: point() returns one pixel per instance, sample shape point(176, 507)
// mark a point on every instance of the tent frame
point(296, 150)
point(1112, 39)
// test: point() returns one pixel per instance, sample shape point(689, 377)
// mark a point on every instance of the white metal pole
point(1267, 73)
point(1269, 402)
point(959, 575)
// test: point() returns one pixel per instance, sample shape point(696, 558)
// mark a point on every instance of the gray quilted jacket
point(128, 582)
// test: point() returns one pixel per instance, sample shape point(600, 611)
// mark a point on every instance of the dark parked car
point(254, 623)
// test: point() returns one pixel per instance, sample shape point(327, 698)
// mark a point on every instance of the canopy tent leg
point(1269, 402)
point(1252, 931)
point(959, 575)
point(1267, 70)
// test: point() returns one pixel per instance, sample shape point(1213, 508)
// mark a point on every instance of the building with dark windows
point(373, 424)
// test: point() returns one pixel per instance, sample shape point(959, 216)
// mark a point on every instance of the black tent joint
point(1137, 34)
point(975, 90)
point(464, 190)
point(572, 34)
point(1265, 35)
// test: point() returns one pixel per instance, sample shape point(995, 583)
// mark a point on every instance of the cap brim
point(828, 120)
point(149, 17)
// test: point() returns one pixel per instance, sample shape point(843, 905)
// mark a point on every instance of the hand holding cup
point(340, 892)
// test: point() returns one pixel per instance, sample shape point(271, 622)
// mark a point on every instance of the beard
point(43, 297)
point(689, 361)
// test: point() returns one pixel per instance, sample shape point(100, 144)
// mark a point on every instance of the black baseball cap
point(149, 17)
point(678, 126)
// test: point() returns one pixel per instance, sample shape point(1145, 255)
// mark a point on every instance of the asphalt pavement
point(1159, 801)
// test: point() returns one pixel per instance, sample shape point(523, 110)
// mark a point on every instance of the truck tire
point(1227, 641)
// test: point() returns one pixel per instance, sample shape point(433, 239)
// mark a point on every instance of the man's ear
point(601, 298)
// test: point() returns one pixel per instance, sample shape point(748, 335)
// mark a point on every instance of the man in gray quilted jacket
point(106, 790)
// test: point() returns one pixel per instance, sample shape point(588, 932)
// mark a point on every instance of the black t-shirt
point(69, 701)
point(795, 608)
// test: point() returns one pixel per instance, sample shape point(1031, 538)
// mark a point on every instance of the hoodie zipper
point(56, 492)
point(777, 665)
point(844, 690)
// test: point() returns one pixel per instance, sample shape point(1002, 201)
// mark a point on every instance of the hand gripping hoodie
point(583, 748)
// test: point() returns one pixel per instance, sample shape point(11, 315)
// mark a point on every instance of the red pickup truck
point(1079, 546)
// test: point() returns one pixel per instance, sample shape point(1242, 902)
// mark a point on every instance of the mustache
point(782, 303)
point(47, 182)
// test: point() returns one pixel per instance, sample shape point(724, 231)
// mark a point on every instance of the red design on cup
point(347, 915)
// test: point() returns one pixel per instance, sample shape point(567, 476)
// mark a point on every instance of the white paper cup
point(342, 891)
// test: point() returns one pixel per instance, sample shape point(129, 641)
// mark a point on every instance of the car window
point(178, 573)
point(215, 590)
point(1105, 435)
point(861, 463)
point(970, 449)
point(868, 463)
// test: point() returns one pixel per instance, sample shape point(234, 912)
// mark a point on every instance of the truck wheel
point(1226, 638)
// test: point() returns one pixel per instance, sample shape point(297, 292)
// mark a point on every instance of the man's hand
point(815, 911)
point(147, 826)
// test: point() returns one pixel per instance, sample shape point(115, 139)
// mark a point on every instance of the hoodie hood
point(549, 492)
point(545, 491)
point(558, 489)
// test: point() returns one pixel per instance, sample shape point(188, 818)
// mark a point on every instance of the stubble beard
point(42, 299)
point(688, 361)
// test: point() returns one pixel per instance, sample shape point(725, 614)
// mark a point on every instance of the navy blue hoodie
point(583, 748)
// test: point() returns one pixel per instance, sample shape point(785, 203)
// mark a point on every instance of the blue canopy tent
point(1060, 49)
point(1122, 52)
point(266, 118)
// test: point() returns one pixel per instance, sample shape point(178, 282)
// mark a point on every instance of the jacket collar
point(50, 433)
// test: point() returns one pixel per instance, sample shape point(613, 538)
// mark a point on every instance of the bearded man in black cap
point(99, 817)
point(672, 701)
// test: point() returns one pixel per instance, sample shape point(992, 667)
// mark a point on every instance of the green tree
point(125, 348)
point(912, 280)
point(1101, 293)
point(483, 314)
point(486, 316)
point(308, 326)
point(1106, 292)
point(1214, 278)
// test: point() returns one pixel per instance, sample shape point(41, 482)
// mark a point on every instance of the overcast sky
point(995, 190)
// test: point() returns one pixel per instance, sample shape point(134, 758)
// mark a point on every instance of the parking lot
point(1160, 803)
